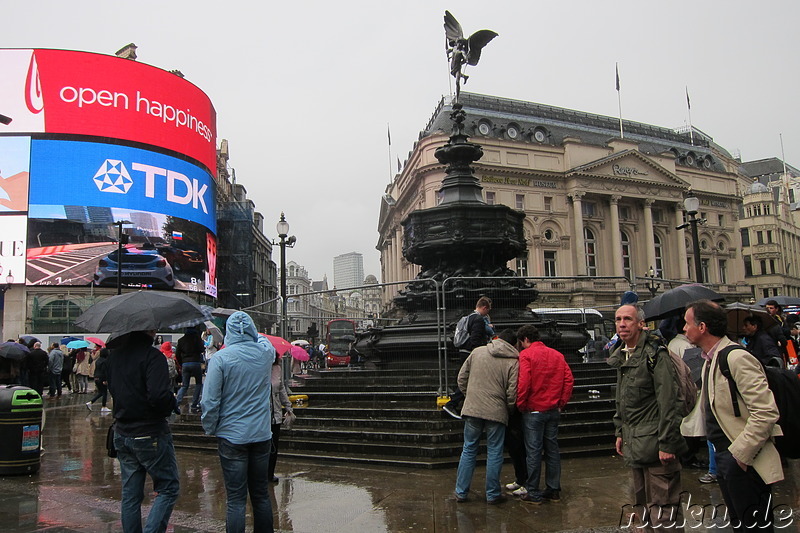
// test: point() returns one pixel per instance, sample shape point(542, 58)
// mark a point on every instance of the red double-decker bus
point(339, 336)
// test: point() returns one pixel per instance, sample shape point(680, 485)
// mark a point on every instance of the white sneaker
point(89, 405)
point(513, 486)
point(522, 491)
point(105, 410)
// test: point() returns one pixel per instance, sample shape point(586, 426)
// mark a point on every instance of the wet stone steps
point(389, 416)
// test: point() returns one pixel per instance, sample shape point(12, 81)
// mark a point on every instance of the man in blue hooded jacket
point(235, 403)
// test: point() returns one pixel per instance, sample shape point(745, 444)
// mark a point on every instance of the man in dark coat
point(189, 355)
point(37, 368)
point(761, 344)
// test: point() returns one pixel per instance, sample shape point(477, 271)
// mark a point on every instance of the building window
point(704, 268)
point(760, 237)
point(439, 197)
point(522, 267)
point(748, 266)
point(589, 209)
point(771, 266)
point(723, 271)
point(549, 264)
point(721, 221)
point(767, 209)
point(590, 246)
point(520, 202)
point(490, 197)
point(548, 203)
point(659, 257)
point(624, 212)
point(658, 216)
point(745, 237)
point(769, 236)
point(626, 254)
point(757, 210)
point(763, 265)
point(765, 292)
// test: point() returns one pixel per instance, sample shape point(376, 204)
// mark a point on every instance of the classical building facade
point(596, 204)
point(770, 228)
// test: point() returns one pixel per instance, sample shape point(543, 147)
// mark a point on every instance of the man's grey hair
point(639, 311)
point(37, 344)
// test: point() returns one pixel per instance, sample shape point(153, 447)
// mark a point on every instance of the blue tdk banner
point(107, 175)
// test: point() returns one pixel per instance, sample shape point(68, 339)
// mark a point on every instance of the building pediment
point(629, 166)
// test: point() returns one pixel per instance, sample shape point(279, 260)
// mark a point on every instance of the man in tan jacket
point(747, 461)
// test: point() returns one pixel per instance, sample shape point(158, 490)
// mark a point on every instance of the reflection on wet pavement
point(77, 490)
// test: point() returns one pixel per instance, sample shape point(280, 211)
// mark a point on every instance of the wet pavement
point(78, 490)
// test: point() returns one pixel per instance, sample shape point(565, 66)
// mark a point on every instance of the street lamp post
point(119, 224)
point(692, 204)
point(9, 281)
point(283, 233)
point(652, 286)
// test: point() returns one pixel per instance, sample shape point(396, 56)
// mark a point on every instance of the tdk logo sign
point(113, 177)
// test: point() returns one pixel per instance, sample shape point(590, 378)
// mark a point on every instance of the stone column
point(616, 241)
point(580, 245)
point(398, 239)
point(680, 243)
point(649, 241)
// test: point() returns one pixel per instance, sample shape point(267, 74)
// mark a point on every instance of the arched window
point(591, 252)
point(626, 254)
point(659, 266)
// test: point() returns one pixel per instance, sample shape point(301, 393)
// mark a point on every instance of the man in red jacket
point(544, 388)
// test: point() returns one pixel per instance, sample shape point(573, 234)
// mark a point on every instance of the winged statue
point(463, 51)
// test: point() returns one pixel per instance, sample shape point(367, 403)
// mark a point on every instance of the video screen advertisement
point(14, 172)
point(81, 191)
point(81, 93)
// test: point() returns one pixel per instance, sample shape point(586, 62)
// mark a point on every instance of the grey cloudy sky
point(304, 90)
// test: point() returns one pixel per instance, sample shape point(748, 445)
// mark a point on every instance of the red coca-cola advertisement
point(61, 91)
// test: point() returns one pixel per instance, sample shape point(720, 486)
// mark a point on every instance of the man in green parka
point(648, 419)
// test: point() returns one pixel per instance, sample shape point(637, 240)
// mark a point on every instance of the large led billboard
point(81, 192)
point(14, 172)
point(69, 92)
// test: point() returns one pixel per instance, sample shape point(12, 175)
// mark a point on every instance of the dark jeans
point(515, 444)
point(541, 433)
point(273, 454)
point(55, 384)
point(244, 468)
point(745, 494)
point(102, 392)
point(139, 456)
point(191, 370)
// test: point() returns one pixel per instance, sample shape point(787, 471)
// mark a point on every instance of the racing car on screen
point(140, 268)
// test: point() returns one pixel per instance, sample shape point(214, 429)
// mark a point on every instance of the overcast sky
point(304, 90)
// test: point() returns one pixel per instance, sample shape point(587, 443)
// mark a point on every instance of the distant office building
point(146, 222)
point(348, 270)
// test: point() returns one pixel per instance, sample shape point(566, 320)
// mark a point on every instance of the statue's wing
point(452, 29)
point(477, 41)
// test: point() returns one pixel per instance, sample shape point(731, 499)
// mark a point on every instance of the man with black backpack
point(741, 416)
point(479, 332)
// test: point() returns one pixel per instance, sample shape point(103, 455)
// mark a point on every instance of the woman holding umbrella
point(279, 401)
point(100, 381)
point(82, 362)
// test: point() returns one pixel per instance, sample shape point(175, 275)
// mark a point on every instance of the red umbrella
point(300, 354)
point(280, 344)
point(96, 341)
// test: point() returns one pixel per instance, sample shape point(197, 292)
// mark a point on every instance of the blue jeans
point(191, 370)
point(541, 432)
point(244, 468)
point(139, 456)
point(495, 435)
point(712, 459)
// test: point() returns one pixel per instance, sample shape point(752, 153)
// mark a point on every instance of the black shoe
point(500, 499)
point(551, 495)
point(452, 409)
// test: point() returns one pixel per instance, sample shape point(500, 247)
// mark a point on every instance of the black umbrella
point(673, 301)
point(138, 311)
point(783, 301)
point(13, 350)
point(737, 312)
point(29, 340)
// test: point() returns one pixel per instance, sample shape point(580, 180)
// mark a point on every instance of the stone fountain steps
point(351, 419)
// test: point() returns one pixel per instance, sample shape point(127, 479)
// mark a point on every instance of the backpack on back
point(687, 389)
point(461, 335)
point(785, 387)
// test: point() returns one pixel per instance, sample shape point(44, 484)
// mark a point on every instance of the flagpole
point(389, 135)
point(619, 102)
point(689, 106)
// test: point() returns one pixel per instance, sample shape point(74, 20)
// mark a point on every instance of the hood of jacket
point(500, 348)
point(240, 328)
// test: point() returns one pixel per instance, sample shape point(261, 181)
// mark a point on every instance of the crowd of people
point(512, 389)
